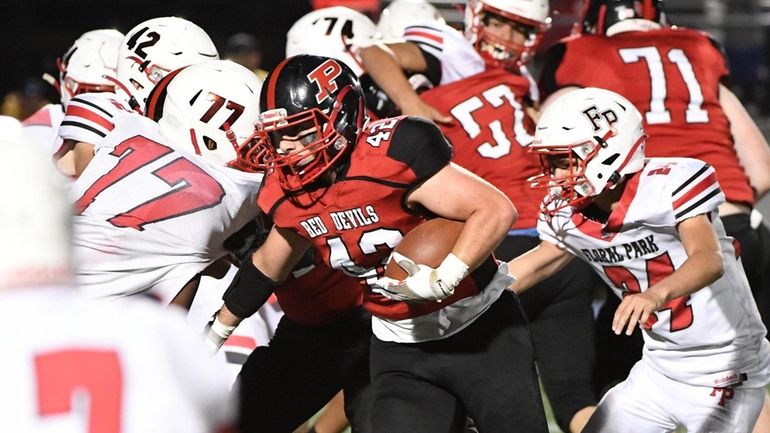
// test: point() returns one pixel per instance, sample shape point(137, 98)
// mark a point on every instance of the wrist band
point(452, 270)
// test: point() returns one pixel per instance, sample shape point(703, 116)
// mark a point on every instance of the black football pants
point(562, 323)
point(486, 371)
point(284, 384)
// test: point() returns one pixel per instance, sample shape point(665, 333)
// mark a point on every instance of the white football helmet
point(593, 135)
point(36, 214)
point(84, 66)
point(331, 32)
point(401, 14)
point(156, 47)
point(208, 108)
point(530, 15)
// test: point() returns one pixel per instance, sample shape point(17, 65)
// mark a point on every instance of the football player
point(153, 178)
point(482, 84)
point(400, 14)
point(76, 364)
point(82, 69)
point(678, 78)
point(321, 346)
point(147, 53)
point(349, 191)
point(649, 228)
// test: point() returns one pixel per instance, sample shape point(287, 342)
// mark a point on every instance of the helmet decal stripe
point(271, 85)
point(157, 95)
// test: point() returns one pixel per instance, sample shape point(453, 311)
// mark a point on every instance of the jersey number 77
point(182, 176)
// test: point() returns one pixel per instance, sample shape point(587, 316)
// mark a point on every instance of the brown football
point(428, 244)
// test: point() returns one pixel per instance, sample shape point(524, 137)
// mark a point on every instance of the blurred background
point(34, 33)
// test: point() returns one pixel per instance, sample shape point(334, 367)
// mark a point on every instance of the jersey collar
point(632, 25)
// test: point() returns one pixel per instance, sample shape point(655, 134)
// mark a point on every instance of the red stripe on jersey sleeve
point(89, 115)
point(704, 184)
point(424, 34)
point(241, 341)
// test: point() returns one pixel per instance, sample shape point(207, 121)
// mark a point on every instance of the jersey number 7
point(86, 382)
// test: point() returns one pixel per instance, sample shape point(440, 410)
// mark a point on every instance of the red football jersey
point(361, 217)
point(672, 76)
point(491, 133)
point(318, 295)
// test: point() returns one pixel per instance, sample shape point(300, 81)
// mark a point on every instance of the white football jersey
point(713, 337)
point(459, 59)
point(89, 117)
point(457, 56)
point(83, 365)
point(43, 127)
point(149, 216)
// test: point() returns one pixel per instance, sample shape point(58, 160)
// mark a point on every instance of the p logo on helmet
point(323, 76)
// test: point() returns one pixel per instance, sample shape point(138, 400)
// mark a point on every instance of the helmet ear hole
point(209, 143)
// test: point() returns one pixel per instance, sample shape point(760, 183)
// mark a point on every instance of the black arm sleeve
point(419, 143)
point(248, 291)
point(551, 62)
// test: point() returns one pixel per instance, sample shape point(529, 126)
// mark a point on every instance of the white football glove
point(423, 283)
point(216, 334)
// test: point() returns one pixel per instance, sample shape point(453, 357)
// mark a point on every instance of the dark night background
point(34, 32)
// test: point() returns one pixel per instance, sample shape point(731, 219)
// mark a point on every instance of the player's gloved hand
point(216, 334)
point(423, 283)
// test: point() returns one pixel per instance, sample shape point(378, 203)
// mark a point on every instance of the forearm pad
point(248, 291)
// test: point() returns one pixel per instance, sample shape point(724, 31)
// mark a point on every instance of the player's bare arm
point(537, 264)
point(270, 265)
point(487, 212)
point(750, 144)
point(386, 64)
point(702, 267)
point(81, 154)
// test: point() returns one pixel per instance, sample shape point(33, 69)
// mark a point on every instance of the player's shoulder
point(106, 104)
point(45, 116)
point(433, 33)
point(409, 138)
point(271, 195)
point(672, 169)
point(688, 32)
point(691, 183)
point(90, 117)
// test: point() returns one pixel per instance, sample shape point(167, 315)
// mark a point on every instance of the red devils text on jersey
point(491, 133)
point(672, 76)
point(362, 216)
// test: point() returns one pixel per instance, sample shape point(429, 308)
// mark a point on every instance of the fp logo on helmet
point(323, 76)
